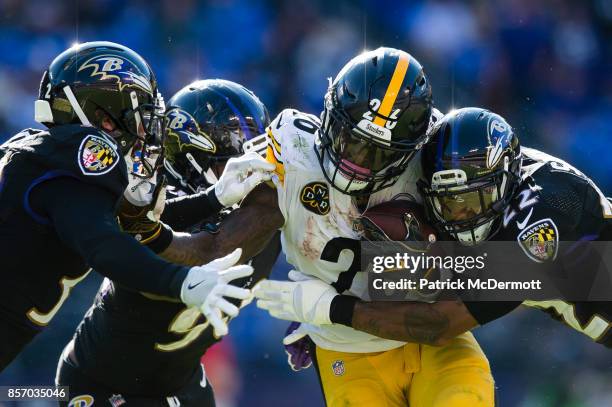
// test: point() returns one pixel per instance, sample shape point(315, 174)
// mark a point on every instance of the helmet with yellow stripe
point(376, 115)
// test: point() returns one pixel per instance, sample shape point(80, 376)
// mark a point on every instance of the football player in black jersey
point(59, 190)
point(145, 349)
point(481, 185)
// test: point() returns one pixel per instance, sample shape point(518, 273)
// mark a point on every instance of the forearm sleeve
point(185, 211)
point(83, 217)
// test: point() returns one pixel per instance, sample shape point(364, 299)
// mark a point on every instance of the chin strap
point(194, 163)
point(134, 100)
point(176, 175)
point(208, 175)
point(75, 106)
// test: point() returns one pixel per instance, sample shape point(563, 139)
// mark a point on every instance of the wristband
point(341, 309)
point(162, 240)
point(213, 200)
point(183, 212)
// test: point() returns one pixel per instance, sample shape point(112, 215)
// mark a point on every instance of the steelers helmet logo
point(97, 155)
point(315, 198)
point(540, 240)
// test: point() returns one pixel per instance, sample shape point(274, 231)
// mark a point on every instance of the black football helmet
point(97, 81)
point(376, 116)
point(208, 122)
point(471, 167)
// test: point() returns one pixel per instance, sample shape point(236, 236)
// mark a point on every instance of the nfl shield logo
point(116, 400)
point(338, 367)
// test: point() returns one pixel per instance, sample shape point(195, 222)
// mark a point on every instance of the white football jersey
point(322, 228)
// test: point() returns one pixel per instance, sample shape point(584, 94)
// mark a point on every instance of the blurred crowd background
point(544, 65)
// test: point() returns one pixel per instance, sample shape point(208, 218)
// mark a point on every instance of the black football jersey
point(140, 344)
point(555, 203)
point(38, 268)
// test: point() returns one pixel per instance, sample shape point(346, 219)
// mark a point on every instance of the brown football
point(400, 219)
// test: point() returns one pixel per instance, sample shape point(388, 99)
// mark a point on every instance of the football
point(401, 219)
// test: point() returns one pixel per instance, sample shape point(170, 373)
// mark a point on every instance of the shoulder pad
point(292, 129)
point(553, 205)
point(287, 117)
point(17, 139)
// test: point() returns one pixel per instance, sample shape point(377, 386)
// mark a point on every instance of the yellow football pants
point(455, 375)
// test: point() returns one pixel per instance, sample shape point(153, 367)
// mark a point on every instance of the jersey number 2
point(331, 252)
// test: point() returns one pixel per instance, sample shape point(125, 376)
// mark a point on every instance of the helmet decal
point(382, 134)
point(122, 70)
point(185, 128)
point(375, 130)
point(498, 133)
point(384, 111)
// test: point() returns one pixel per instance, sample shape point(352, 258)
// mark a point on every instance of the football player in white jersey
point(376, 116)
point(375, 120)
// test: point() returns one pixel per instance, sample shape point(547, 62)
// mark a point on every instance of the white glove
point(146, 195)
point(139, 191)
point(240, 176)
point(160, 203)
point(143, 191)
point(306, 301)
point(205, 286)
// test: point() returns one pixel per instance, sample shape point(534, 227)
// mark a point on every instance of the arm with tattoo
point(427, 323)
point(249, 227)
